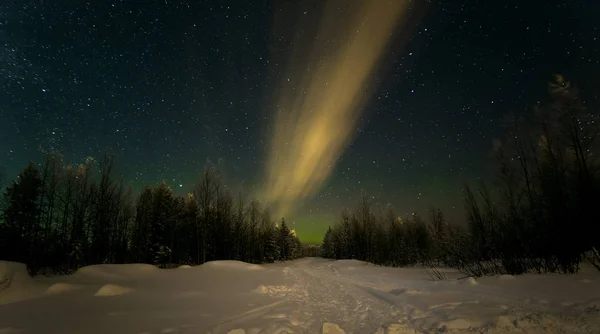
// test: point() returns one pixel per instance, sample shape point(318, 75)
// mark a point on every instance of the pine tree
point(162, 218)
point(285, 242)
point(21, 229)
point(439, 235)
point(271, 245)
point(175, 229)
point(297, 251)
point(327, 245)
point(345, 238)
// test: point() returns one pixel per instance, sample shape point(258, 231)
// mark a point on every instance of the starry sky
point(168, 85)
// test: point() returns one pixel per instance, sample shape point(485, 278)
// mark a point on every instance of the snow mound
point(329, 328)
point(15, 282)
point(232, 264)
point(237, 331)
point(110, 271)
point(262, 289)
point(506, 277)
point(470, 281)
point(13, 275)
point(109, 290)
point(185, 266)
point(57, 288)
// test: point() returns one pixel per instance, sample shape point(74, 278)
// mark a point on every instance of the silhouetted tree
point(141, 236)
point(21, 230)
point(284, 241)
point(68, 216)
point(327, 246)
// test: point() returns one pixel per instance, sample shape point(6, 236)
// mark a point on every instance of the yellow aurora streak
point(321, 96)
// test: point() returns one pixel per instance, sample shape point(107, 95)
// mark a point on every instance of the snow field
point(303, 296)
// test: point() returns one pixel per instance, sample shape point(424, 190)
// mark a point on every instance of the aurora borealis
point(168, 85)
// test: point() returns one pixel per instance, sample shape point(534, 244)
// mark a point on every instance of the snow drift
point(116, 271)
point(232, 265)
point(15, 283)
point(13, 275)
point(57, 288)
point(112, 290)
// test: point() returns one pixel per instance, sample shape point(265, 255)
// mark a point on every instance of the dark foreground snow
point(304, 296)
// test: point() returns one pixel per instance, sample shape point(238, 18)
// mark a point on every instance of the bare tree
point(101, 227)
point(240, 231)
point(66, 198)
point(205, 192)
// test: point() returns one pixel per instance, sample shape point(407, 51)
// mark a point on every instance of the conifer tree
point(21, 229)
point(285, 242)
point(327, 245)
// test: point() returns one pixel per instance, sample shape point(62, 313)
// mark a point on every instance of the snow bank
point(13, 275)
point(15, 283)
point(116, 271)
point(231, 265)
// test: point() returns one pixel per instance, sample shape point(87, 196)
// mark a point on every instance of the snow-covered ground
point(305, 296)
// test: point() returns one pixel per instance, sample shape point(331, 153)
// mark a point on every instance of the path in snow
point(362, 298)
point(311, 297)
point(304, 296)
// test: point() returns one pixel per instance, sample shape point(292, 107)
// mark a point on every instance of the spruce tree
point(162, 218)
point(285, 242)
point(271, 245)
point(327, 245)
point(21, 229)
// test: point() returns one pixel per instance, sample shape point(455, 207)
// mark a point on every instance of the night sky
point(168, 85)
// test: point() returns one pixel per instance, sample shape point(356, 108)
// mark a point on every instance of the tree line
point(62, 216)
point(542, 219)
